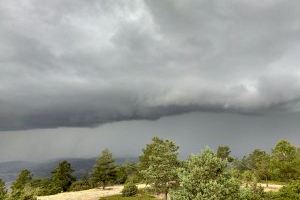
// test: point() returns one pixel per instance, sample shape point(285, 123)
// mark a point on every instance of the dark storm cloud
point(81, 63)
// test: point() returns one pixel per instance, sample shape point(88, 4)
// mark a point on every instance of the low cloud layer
point(83, 63)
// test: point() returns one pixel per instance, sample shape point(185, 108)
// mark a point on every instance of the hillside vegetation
point(207, 175)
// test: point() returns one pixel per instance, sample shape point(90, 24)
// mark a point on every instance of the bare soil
point(271, 187)
point(96, 193)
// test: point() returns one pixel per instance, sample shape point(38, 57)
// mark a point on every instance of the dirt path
point(92, 194)
point(271, 187)
point(95, 194)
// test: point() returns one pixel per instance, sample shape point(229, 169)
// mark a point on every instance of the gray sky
point(227, 71)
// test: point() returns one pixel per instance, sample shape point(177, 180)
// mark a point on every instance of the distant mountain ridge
point(82, 166)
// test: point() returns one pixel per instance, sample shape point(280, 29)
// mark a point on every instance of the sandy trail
point(92, 194)
point(271, 187)
point(95, 194)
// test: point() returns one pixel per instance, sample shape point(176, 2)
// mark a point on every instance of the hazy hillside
point(9, 170)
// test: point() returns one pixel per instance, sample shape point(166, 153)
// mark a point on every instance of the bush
point(3, 190)
point(290, 191)
point(80, 185)
point(130, 189)
point(205, 176)
point(252, 193)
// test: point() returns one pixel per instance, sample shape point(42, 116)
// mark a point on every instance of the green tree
point(242, 164)
point(206, 177)
point(285, 162)
point(126, 171)
point(3, 190)
point(28, 193)
point(223, 152)
point(249, 178)
point(159, 164)
point(62, 177)
point(259, 163)
point(17, 188)
point(42, 187)
point(104, 170)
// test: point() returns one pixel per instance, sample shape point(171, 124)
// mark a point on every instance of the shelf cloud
point(75, 63)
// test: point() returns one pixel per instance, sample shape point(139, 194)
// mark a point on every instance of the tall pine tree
point(104, 170)
point(158, 165)
point(17, 188)
point(62, 176)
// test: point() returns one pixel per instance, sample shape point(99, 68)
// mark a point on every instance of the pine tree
point(159, 164)
point(223, 152)
point(205, 176)
point(62, 177)
point(23, 179)
point(104, 170)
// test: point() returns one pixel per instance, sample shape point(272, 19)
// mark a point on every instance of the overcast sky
point(80, 75)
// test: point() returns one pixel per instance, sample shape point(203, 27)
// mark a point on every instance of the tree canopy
point(206, 177)
point(223, 152)
point(104, 170)
point(285, 161)
point(62, 177)
point(159, 163)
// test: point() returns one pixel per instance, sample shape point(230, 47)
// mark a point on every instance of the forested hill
point(10, 170)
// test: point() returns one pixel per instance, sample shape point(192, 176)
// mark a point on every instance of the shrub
point(205, 176)
point(253, 193)
point(3, 190)
point(130, 189)
point(290, 191)
point(80, 185)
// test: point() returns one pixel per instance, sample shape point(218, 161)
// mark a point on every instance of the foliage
point(159, 163)
point(253, 193)
point(248, 178)
point(80, 185)
point(259, 162)
point(44, 187)
point(18, 191)
point(242, 164)
point(130, 189)
point(27, 194)
point(62, 177)
point(206, 177)
point(140, 196)
point(125, 172)
point(223, 152)
point(282, 165)
point(23, 178)
point(104, 170)
point(285, 162)
point(290, 191)
point(3, 190)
